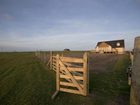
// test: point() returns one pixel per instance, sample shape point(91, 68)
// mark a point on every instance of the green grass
point(24, 80)
point(111, 86)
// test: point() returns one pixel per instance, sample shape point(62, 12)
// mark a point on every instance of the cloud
point(6, 16)
point(68, 33)
point(74, 41)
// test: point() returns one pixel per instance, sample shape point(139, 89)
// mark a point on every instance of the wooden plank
point(69, 84)
point(54, 66)
point(68, 80)
point(73, 69)
point(57, 74)
point(67, 64)
point(73, 72)
point(54, 63)
point(64, 73)
point(48, 62)
point(71, 65)
point(54, 57)
point(54, 70)
point(54, 60)
point(69, 59)
point(55, 94)
point(88, 65)
point(85, 74)
point(68, 77)
point(70, 91)
point(77, 73)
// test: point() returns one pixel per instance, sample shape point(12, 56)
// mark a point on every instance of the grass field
point(24, 80)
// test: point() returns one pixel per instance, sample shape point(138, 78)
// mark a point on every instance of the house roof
point(114, 43)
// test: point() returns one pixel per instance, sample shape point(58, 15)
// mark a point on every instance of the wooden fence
point(42, 56)
point(54, 63)
point(71, 73)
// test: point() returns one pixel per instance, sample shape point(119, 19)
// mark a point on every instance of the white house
point(115, 46)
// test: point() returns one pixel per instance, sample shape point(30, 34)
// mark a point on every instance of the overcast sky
point(74, 24)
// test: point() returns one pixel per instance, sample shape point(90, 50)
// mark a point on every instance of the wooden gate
point(54, 61)
point(72, 74)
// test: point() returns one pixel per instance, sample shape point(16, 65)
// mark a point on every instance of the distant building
point(115, 46)
point(66, 49)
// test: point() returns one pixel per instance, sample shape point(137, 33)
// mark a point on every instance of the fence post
point(39, 55)
point(135, 86)
point(44, 57)
point(85, 73)
point(57, 77)
point(36, 53)
point(51, 60)
point(88, 65)
point(57, 73)
point(62, 54)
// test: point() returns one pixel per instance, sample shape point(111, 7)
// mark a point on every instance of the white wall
point(120, 50)
point(104, 49)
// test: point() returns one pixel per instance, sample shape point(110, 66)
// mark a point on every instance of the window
point(118, 44)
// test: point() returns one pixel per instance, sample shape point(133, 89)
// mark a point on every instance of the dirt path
point(100, 62)
point(105, 83)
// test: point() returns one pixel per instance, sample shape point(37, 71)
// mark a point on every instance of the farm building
point(115, 46)
point(66, 49)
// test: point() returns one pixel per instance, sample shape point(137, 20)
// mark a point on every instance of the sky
point(27, 25)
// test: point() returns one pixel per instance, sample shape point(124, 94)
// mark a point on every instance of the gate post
point(57, 77)
point(135, 87)
point(57, 73)
point(85, 73)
